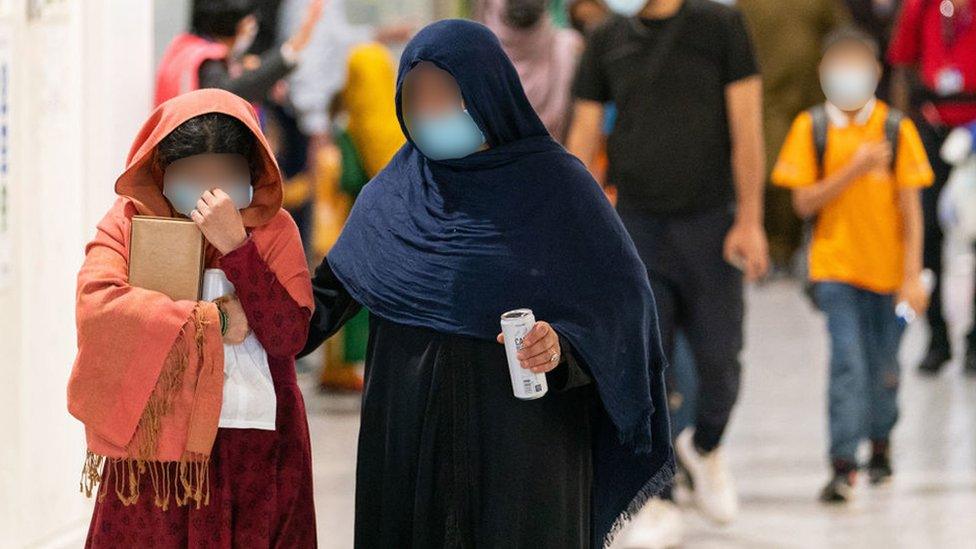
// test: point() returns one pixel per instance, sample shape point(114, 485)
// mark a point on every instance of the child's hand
point(914, 293)
point(237, 326)
point(872, 156)
point(219, 220)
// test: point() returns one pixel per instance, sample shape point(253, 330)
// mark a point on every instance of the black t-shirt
point(669, 151)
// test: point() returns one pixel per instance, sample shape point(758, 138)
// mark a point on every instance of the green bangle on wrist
point(224, 320)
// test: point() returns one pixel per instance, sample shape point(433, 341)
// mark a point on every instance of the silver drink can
point(526, 384)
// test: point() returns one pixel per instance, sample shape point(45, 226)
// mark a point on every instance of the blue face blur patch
point(186, 179)
point(183, 195)
point(446, 136)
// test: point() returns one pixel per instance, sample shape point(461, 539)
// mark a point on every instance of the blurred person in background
point(367, 133)
point(856, 167)
point(369, 115)
point(544, 56)
point(787, 37)
point(686, 153)
point(210, 55)
point(585, 16)
point(321, 75)
point(306, 97)
point(480, 212)
point(149, 379)
point(933, 51)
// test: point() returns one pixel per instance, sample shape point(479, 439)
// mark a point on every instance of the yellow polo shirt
point(858, 235)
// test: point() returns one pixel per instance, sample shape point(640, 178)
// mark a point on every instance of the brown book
point(166, 255)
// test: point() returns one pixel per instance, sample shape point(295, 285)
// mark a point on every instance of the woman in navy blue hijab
point(479, 213)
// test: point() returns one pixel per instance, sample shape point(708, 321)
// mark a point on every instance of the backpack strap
point(892, 129)
point(818, 114)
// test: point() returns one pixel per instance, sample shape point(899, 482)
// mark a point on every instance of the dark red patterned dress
point(261, 481)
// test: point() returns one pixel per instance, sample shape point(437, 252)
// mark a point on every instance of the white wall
point(80, 86)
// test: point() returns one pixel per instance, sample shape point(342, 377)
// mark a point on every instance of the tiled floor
point(776, 445)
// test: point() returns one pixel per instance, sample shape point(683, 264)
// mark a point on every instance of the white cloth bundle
point(249, 396)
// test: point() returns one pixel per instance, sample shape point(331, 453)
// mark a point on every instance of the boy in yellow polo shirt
point(856, 166)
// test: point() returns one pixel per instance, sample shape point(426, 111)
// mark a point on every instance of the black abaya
point(448, 457)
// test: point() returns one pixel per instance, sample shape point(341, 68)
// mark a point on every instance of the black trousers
point(698, 292)
point(932, 138)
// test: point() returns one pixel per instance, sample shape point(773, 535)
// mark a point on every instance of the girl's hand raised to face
point(540, 348)
point(219, 220)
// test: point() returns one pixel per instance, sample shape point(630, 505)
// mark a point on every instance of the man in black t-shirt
point(686, 155)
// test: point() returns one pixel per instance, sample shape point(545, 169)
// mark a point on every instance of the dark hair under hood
point(213, 132)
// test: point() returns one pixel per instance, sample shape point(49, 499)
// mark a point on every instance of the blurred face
point(430, 91)
point(849, 74)
point(434, 112)
point(186, 179)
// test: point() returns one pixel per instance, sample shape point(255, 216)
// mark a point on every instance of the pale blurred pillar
point(78, 84)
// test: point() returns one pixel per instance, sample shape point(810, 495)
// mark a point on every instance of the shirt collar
point(840, 120)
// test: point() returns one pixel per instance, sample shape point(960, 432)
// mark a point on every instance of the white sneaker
point(714, 489)
point(658, 525)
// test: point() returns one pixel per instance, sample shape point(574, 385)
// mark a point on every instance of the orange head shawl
point(147, 381)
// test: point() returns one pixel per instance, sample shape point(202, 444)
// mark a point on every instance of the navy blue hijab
point(451, 245)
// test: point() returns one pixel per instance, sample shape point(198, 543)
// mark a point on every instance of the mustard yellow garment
point(368, 98)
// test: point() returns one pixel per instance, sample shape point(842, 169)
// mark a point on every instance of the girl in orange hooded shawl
point(148, 378)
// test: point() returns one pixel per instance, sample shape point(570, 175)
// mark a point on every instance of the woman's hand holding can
point(540, 350)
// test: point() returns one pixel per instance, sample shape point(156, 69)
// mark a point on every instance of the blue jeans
point(864, 371)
